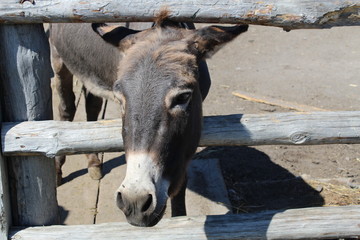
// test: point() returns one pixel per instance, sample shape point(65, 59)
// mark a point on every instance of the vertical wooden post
point(5, 211)
point(25, 83)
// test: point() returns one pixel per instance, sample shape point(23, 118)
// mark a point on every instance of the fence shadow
point(239, 226)
point(255, 183)
point(109, 165)
point(106, 169)
point(74, 175)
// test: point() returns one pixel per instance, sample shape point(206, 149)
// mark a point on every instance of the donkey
point(94, 72)
point(156, 77)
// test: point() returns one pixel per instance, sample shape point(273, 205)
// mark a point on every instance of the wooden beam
point(306, 223)
point(5, 210)
point(292, 14)
point(52, 138)
point(26, 95)
point(277, 102)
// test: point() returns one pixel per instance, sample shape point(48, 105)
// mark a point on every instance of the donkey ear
point(118, 36)
point(208, 40)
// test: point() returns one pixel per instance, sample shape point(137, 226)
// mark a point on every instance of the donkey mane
point(162, 19)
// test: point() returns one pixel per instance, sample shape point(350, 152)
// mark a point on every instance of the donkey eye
point(182, 99)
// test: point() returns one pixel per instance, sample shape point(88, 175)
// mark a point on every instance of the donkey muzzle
point(143, 194)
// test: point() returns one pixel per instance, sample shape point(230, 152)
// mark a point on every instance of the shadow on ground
point(63, 214)
point(106, 169)
point(255, 183)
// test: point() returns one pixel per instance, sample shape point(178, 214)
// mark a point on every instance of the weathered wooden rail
point(52, 138)
point(307, 223)
point(292, 14)
point(24, 64)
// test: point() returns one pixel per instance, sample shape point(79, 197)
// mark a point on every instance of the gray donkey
point(159, 78)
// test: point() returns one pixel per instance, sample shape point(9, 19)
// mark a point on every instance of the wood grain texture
point(286, 14)
point(5, 210)
point(52, 138)
point(26, 94)
point(307, 223)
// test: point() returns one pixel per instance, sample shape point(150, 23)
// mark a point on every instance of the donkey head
point(161, 102)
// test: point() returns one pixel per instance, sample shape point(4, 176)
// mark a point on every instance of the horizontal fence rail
point(292, 14)
point(52, 138)
point(306, 223)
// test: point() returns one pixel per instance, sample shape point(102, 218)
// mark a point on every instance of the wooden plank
point(58, 138)
point(286, 14)
point(5, 210)
point(25, 84)
point(301, 128)
point(307, 223)
point(276, 102)
point(52, 138)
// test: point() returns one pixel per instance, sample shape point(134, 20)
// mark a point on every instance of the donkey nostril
point(147, 204)
point(119, 201)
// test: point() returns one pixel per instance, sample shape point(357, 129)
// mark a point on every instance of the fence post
point(26, 95)
point(5, 211)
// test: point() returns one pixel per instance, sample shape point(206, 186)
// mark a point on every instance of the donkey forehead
point(157, 64)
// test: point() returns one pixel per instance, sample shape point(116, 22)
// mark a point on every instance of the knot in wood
point(299, 137)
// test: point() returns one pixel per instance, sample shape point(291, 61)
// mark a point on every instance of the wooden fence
point(25, 95)
point(292, 14)
point(309, 223)
point(51, 138)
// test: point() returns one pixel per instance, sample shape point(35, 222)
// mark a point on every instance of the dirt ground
point(318, 68)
